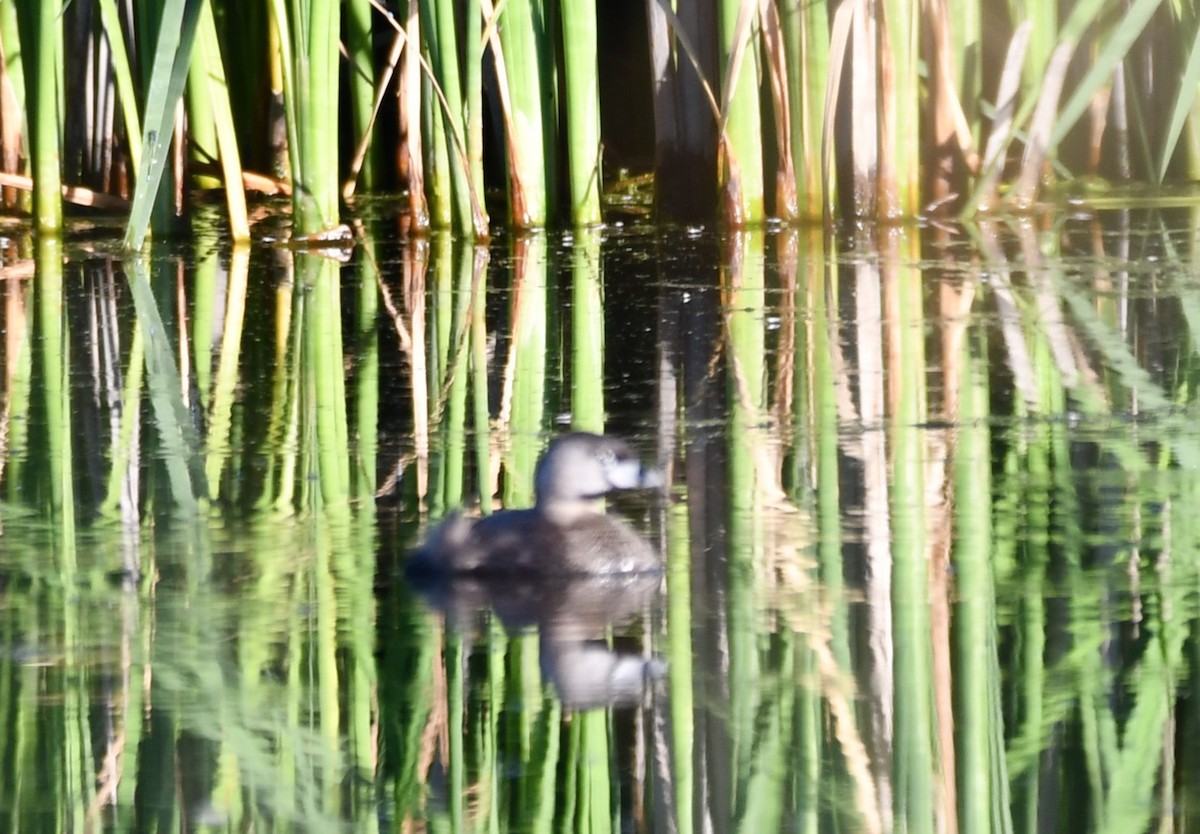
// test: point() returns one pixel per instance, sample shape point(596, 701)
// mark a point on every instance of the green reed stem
point(977, 666)
point(587, 334)
point(442, 41)
point(312, 88)
point(366, 373)
point(741, 175)
point(581, 96)
point(17, 400)
point(223, 143)
point(224, 389)
point(914, 737)
point(681, 682)
point(324, 369)
point(454, 424)
point(177, 24)
point(54, 349)
point(40, 36)
point(123, 75)
point(479, 381)
point(361, 77)
point(528, 362)
point(525, 38)
point(899, 154)
point(806, 45)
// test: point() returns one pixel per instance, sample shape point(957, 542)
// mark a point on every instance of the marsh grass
point(875, 110)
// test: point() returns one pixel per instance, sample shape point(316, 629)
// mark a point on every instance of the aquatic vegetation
point(797, 111)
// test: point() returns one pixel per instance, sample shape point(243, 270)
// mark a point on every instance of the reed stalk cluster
point(885, 109)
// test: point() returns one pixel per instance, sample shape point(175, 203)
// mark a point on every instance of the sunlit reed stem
point(481, 412)
point(442, 41)
point(525, 39)
point(745, 299)
point(311, 84)
point(325, 372)
point(40, 28)
point(587, 334)
point(207, 60)
point(440, 338)
point(581, 97)
point(202, 131)
point(681, 682)
point(741, 154)
point(594, 772)
point(915, 763)
point(224, 388)
point(323, 648)
point(899, 126)
point(366, 373)
point(454, 421)
point(53, 348)
point(527, 362)
point(977, 664)
point(806, 44)
point(455, 660)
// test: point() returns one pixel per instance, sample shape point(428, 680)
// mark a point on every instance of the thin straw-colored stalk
point(410, 101)
point(741, 172)
point(581, 96)
point(41, 35)
point(15, 127)
point(899, 150)
point(123, 75)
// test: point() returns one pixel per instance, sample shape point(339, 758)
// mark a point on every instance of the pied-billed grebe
point(566, 531)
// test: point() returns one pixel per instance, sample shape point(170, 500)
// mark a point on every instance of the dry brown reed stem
point(412, 158)
point(1044, 114)
point(1002, 124)
point(787, 204)
point(76, 194)
point(518, 201)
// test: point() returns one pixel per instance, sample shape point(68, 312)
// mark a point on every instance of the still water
point(929, 527)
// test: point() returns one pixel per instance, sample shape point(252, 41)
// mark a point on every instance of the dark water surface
point(930, 529)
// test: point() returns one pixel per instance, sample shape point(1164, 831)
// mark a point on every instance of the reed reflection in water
point(928, 536)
